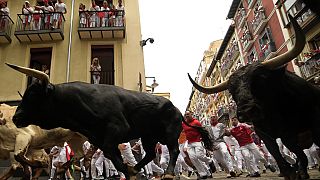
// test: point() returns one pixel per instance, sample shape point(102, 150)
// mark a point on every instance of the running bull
point(107, 115)
point(279, 104)
point(25, 146)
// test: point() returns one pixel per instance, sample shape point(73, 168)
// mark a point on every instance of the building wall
point(128, 54)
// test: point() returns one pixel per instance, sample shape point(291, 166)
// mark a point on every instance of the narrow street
point(315, 174)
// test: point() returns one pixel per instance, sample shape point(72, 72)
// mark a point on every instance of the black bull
point(107, 115)
point(278, 103)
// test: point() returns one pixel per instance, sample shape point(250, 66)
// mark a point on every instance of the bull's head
point(244, 81)
point(31, 109)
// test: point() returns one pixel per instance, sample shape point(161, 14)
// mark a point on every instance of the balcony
point(311, 67)
point(229, 59)
point(267, 51)
point(106, 77)
point(251, 3)
point(259, 22)
point(36, 27)
point(241, 17)
point(102, 25)
point(247, 41)
point(5, 29)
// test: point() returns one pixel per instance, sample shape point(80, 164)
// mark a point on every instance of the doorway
point(40, 59)
point(105, 54)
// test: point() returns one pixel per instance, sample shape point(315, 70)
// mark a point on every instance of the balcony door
point(40, 59)
point(105, 54)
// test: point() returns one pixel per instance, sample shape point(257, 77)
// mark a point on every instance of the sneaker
point(189, 173)
point(256, 174)
point(272, 168)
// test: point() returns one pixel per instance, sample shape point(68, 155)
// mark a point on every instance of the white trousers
point(128, 156)
point(110, 169)
point(198, 157)
point(222, 155)
point(250, 153)
point(97, 165)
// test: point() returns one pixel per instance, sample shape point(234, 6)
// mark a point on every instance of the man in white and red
point(220, 149)
point(195, 149)
point(242, 133)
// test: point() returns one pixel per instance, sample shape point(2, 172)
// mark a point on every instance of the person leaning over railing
point(104, 14)
point(83, 15)
point(47, 10)
point(94, 19)
point(5, 13)
point(120, 14)
point(60, 8)
point(27, 10)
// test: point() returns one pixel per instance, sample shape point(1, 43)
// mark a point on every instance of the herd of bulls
point(277, 102)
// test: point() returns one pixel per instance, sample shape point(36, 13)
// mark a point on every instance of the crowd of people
point(108, 15)
point(47, 15)
point(237, 150)
point(42, 16)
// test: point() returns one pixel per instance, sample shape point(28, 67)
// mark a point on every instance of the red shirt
point(192, 134)
point(242, 133)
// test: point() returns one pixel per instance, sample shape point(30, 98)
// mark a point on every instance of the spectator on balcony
point(95, 69)
point(112, 15)
point(83, 15)
point(47, 10)
point(119, 14)
point(94, 18)
point(5, 13)
point(60, 8)
point(27, 10)
point(37, 19)
point(105, 14)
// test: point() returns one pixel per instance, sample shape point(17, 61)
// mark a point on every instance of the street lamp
point(154, 84)
point(144, 42)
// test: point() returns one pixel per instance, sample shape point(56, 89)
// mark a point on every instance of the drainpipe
point(70, 41)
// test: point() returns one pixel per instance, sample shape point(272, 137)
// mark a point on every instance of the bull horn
point(300, 41)
point(31, 72)
point(209, 90)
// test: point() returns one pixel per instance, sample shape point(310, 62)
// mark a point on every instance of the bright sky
point(182, 31)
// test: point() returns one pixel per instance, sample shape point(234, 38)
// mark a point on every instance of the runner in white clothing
point(220, 150)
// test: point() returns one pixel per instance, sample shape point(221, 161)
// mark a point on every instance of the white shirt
point(60, 7)
point(47, 9)
point(5, 11)
point(28, 10)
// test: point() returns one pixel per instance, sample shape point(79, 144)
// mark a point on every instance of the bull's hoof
point(167, 177)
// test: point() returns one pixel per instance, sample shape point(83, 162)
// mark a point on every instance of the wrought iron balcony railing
point(6, 24)
point(259, 21)
point(106, 77)
point(101, 24)
point(40, 27)
point(311, 66)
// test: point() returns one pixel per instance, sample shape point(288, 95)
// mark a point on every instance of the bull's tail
point(206, 139)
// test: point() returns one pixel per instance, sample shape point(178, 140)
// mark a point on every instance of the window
point(40, 59)
point(105, 54)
